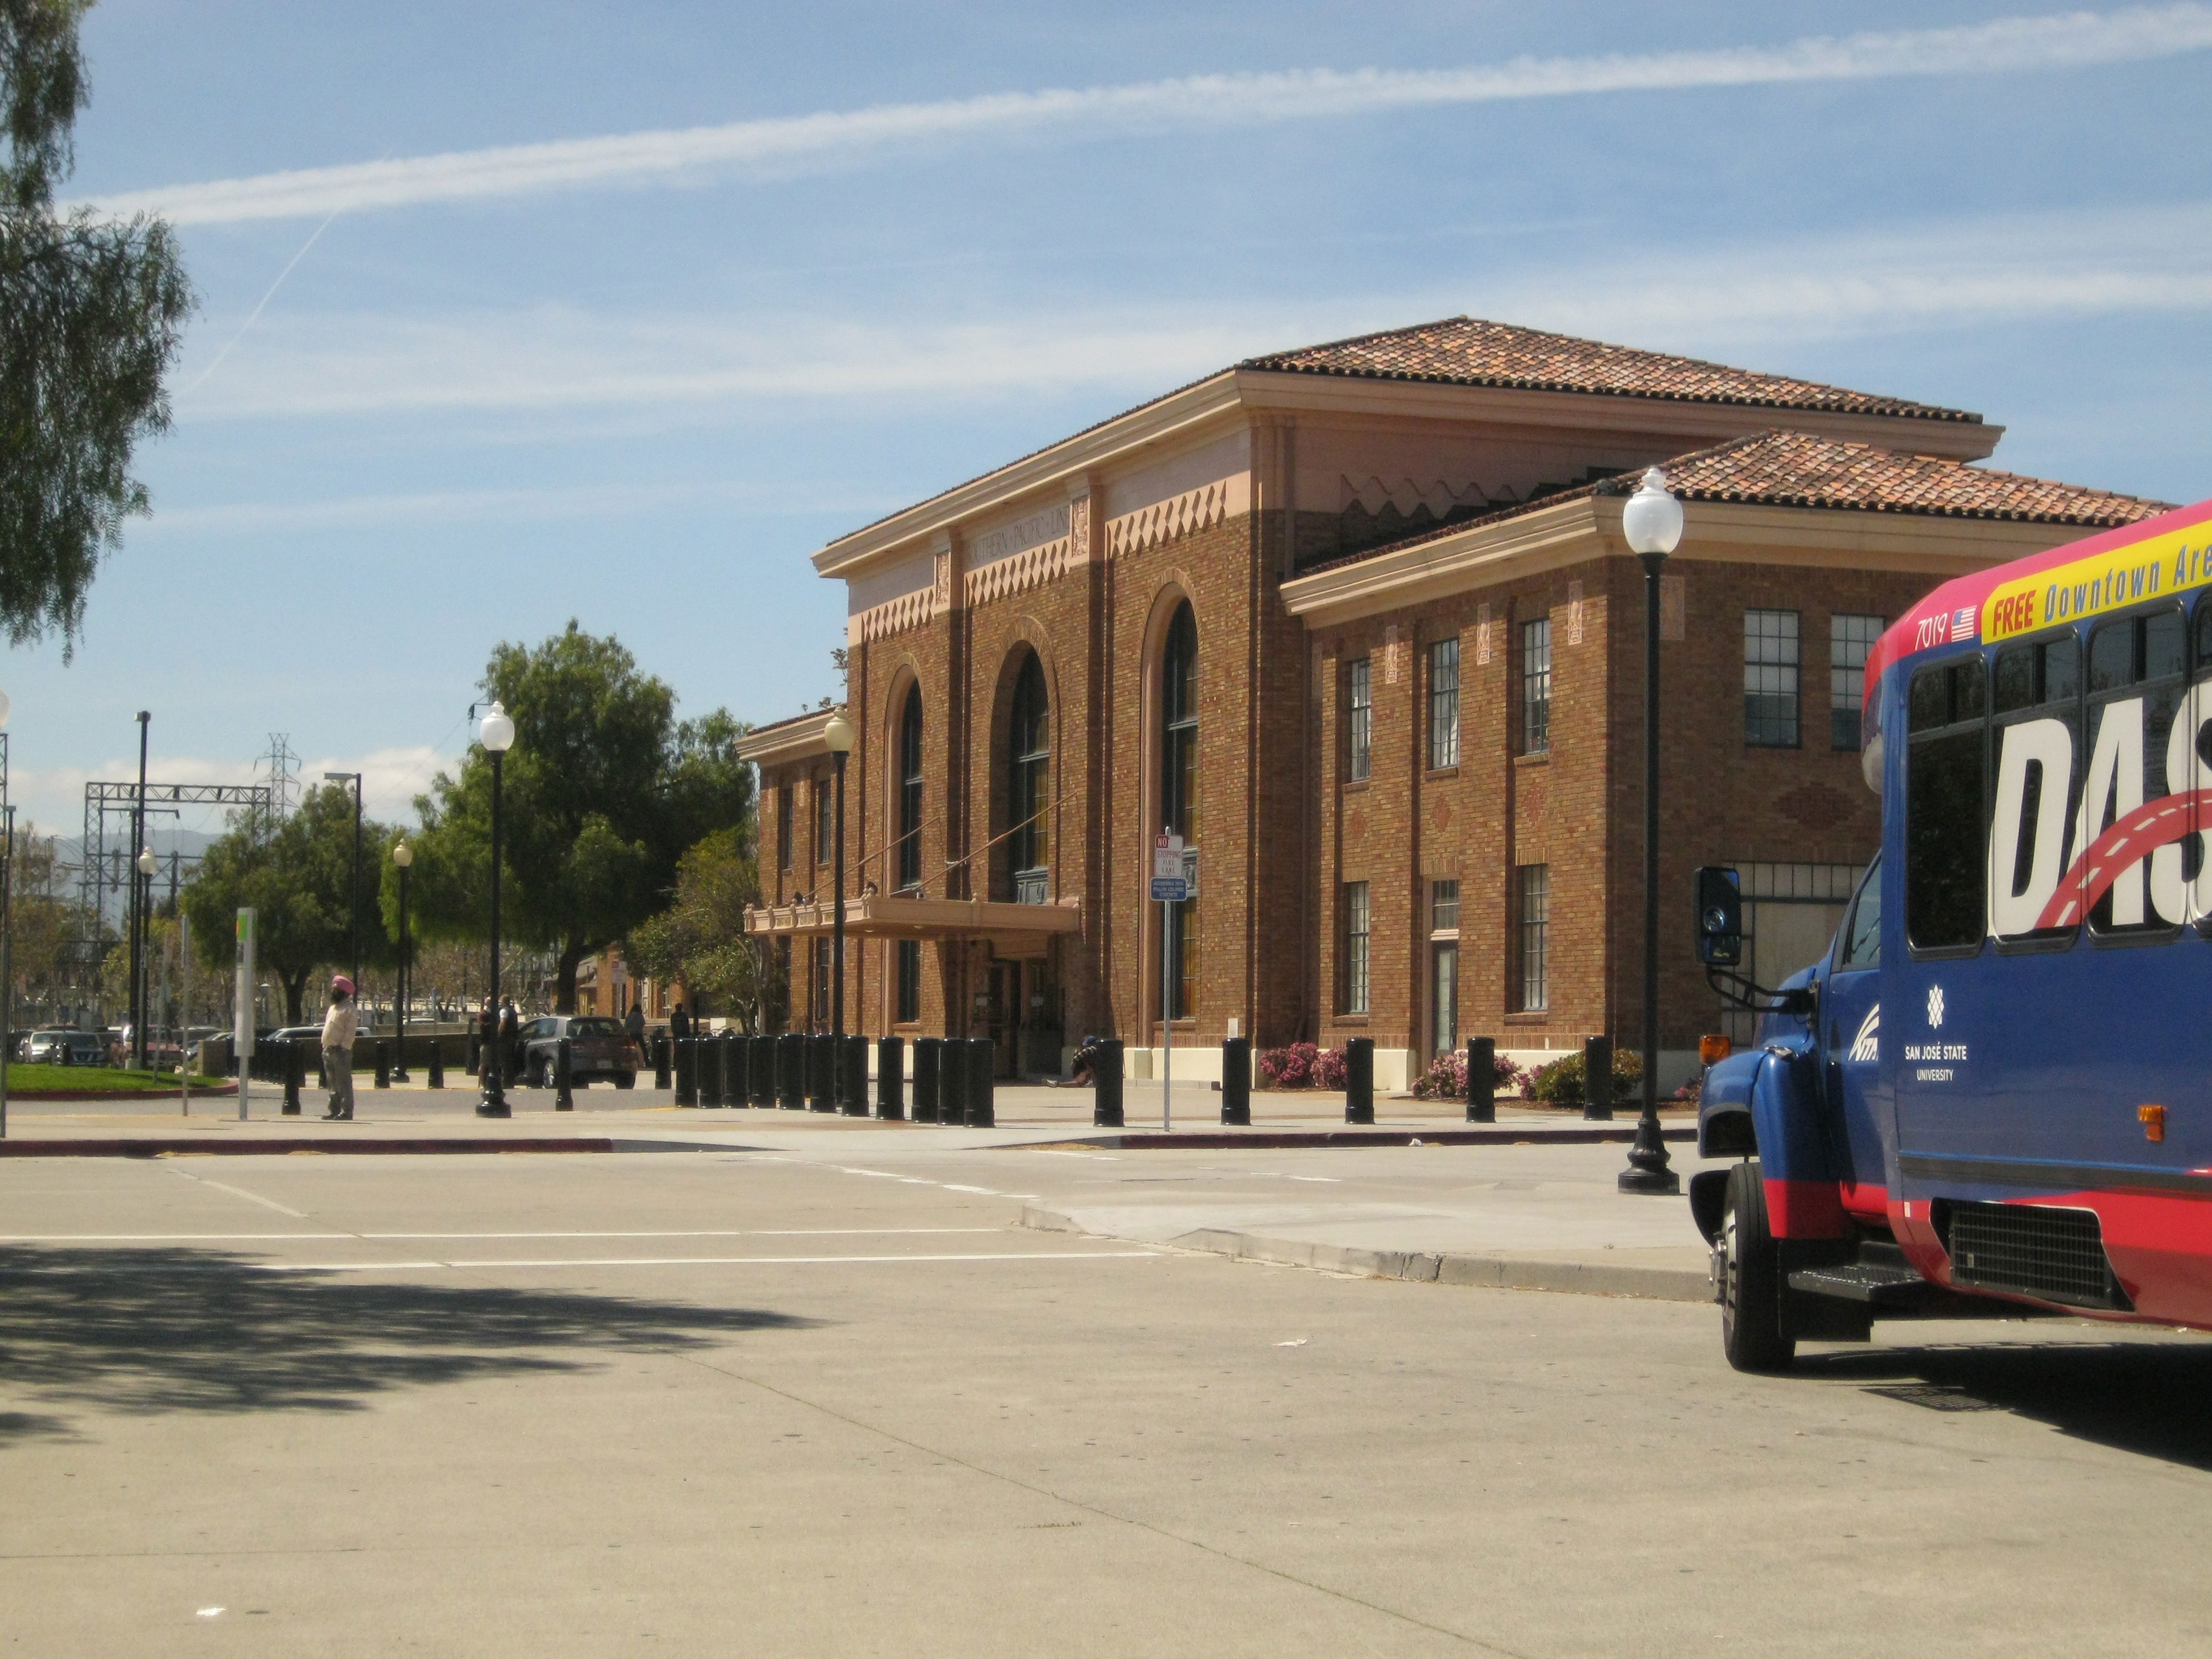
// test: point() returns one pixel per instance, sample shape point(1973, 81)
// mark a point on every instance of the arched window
point(909, 790)
point(1029, 755)
point(1179, 799)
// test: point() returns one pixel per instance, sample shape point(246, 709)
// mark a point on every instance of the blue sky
point(531, 365)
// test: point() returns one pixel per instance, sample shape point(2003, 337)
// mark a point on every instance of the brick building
point(1359, 621)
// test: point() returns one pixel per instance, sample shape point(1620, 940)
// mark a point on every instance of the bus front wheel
point(1752, 1283)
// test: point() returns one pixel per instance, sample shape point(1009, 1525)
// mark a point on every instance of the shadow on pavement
point(2142, 1397)
point(179, 1330)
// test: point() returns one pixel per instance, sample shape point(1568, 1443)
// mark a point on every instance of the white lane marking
point(1332, 1180)
point(240, 1192)
point(987, 1192)
point(604, 1262)
point(709, 1232)
point(162, 1238)
point(818, 1260)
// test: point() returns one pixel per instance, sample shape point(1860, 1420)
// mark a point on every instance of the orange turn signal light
point(2153, 1118)
point(1714, 1048)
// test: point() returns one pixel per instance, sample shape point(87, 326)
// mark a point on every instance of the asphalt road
point(770, 1403)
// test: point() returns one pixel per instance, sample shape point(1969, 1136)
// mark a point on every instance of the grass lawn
point(107, 1080)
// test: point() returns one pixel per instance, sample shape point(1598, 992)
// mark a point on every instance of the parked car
point(598, 1047)
point(63, 1047)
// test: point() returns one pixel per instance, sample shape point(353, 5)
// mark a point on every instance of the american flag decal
point(1963, 623)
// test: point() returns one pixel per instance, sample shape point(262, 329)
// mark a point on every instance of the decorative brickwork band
point(1019, 573)
point(896, 616)
point(1194, 509)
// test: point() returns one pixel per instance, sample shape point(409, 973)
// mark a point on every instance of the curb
point(221, 1092)
point(174, 1147)
point(1427, 1267)
point(1279, 1140)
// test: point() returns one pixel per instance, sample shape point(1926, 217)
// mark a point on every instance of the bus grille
point(2034, 1248)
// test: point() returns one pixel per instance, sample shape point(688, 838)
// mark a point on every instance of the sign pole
point(1167, 1031)
point(242, 1021)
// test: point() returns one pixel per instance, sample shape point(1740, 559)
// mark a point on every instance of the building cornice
point(1236, 396)
point(1589, 528)
point(788, 740)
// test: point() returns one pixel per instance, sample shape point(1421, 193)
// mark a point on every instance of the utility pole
point(137, 907)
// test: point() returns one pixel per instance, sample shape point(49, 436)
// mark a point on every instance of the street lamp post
point(353, 904)
point(142, 890)
point(838, 735)
point(497, 734)
point(1652, 522)
point(7, 894)
point(402, 857)
point(138, 915)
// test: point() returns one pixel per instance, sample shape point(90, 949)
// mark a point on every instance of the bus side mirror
point(1720, 917)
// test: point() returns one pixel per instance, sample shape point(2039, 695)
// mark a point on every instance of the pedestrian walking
point(487, 1038)
point(679, 1024)
point(338, 1029)
point(510, 1040)
point(634, 1026)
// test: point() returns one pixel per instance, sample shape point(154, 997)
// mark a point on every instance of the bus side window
point(2034, 751)
point(1945, 905)
point(2138, 671)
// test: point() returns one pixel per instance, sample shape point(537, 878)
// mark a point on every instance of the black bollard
point(383, 1064)
point(849, 1074)
point(660, 1078)
point(1237, 1081)
point(437, 1078)
point(952, 1081)
point(710, 1072)
point(294, 1064)
point(1359, 1081)
point(890, 1079)
point(687, 1072)
point(1106, 1086)
point(760, 1069)
point(564, 1077)
point(926, 1053)
point(791, 1072)
point(982, 1085)
point(1597, 1080)
point(1481, 1080)
point(728, 1090)
point(821, 1085)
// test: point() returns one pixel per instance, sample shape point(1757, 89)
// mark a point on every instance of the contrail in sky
point(2069, 41)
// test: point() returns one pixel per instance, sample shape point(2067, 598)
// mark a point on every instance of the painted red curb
point(268, 1146)
point(1280, 1139)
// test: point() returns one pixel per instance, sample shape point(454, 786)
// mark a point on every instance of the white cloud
point(1943, 275)
point(2006, 45)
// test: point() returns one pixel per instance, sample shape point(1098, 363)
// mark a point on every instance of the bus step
point(1876, 1286)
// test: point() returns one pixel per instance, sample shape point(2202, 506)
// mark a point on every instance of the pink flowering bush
point(1446, 1078)
point(1301, 1066)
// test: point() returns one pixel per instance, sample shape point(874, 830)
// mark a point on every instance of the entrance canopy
point(1012, 929)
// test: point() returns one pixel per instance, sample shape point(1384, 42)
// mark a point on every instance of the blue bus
point(1994, 1094)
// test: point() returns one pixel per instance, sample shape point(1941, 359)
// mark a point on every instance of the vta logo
point(1935, 1006)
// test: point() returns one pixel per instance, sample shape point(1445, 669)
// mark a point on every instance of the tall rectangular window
point(1444, 704)
point(909, 980)
point(1770, 678)
point(1359, 719)
point(825, 821)
point(783, 795)
point(1355, 947)
point(818, 1016)
point(1532, 922)
point(1849, 639)
point(1536, 686)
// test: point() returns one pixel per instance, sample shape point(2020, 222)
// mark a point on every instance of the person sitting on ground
point(338, 1029)
point(1081, 1073)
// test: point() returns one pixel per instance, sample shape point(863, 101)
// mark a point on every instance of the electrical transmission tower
point(280, 768)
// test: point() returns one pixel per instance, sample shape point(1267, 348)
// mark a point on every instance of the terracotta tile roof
point(1799, 469)
point(1469, 351)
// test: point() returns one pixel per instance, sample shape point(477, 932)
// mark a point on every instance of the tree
point(38, 924)
point(602, 792)
point(299, 883)
point(700, 939)
point(91, 313)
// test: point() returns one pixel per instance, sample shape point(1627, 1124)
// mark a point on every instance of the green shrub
point(1560, 1083)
